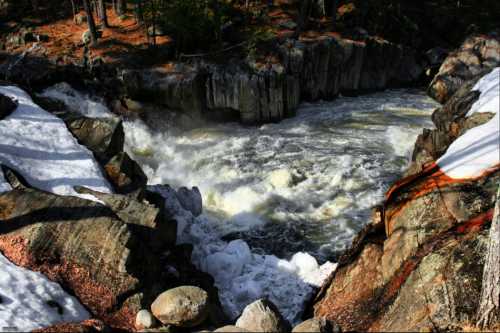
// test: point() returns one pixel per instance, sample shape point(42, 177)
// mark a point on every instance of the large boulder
point(103, 136)
point(184, 306)
point(262, 316)
point(83, 246)
point(477, 55)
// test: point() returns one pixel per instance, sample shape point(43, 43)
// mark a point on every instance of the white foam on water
point(294, 191)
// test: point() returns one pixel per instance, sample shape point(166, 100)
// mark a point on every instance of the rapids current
point(278, 198)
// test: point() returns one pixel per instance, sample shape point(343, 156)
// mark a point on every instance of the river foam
point(282, 197)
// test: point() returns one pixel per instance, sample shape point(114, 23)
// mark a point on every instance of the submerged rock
point(184, 306)
point(262, 316)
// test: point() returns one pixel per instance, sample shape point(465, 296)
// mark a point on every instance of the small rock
point(144, 319)
point(262, 316)
point(230, 328)
point(316, 325)
point(185, 306)
point(7, 106)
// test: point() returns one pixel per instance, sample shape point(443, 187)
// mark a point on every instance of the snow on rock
point(40, 147)
point(28, 300)
point(478, 149)
point(241, 275)
point(4, 186)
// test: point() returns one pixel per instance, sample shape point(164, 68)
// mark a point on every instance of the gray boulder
point(262, 316)
point(185, 306)
point(190, 200)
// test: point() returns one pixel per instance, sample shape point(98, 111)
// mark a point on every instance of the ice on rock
point(4, 186)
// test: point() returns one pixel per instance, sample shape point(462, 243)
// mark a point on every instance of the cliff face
point(309, 70)
point(419, 264)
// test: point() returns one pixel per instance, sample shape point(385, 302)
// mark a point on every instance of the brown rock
point(184, 306)
point(86, 326)
point(125, 174)
point(320, 325)
point(231, 328)
point(83, 246)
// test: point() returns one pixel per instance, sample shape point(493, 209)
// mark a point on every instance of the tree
point(139, 12)
point(490, 290)
point(120, 7)
point(304, 13)
point(103, 16)
point(90, 22)
point(335, 5)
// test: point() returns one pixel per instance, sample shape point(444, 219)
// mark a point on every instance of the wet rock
point(316, 325)
point(125, 174)
point(144, 319)
point(184, 306)
point(262, 316)
point(150, 222)
point(83, 246)
point(7, 106)
point(190, 200)
point(103, 136)
point(477, 55)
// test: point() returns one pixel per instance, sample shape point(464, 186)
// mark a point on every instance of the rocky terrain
point(419, 264)
point(111, 241)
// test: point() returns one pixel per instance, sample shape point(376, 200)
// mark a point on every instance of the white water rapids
point(297, 190)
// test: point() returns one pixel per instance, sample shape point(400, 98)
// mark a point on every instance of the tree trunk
point(138, 12)
point(73, 8)
point(490, 290)
point(305, 10)
point(90, 22)
point(103, 16)
point(120, 7)
point(335, 4)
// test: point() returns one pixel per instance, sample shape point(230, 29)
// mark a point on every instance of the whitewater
point(281, 201)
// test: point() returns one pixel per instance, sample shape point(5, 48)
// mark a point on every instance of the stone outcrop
point(255, 93)
point(419, 265)
point(476, 56)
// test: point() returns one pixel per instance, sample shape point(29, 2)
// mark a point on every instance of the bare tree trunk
point(90, 22)
point(120, 7)
point(138, 12)
point(73, 8)
point(103, 16)
point(335, 4)
point(305, 11)
point(490, 290)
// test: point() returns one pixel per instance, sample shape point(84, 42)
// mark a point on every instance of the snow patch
point(478, 149)
point(39, 146)
point(30, 301)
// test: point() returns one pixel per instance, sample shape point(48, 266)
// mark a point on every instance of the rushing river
point(294, 190)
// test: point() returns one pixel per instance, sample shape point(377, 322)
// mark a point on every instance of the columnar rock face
point(255, 93)
point(421, 268)
point(476, 56)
